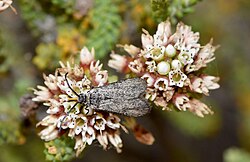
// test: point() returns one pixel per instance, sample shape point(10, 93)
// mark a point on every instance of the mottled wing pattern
point(126, 89)
point(134, 107)
point(123, 97)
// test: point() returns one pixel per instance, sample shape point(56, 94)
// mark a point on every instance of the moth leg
point(67, 114)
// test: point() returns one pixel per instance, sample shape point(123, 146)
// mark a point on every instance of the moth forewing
point(134, 107)
point(126, 89)
point(123, 97)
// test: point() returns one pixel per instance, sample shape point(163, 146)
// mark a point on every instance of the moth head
point(82, 98)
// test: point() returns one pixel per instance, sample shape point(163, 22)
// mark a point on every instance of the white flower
point(113, 121)
point(161, 84)
point(87, 57)
point(67, 121)
point(135, 66)
point(86, 81)
point(176, 64)
point(98, 122)
point(177, 78)
point(54, 106)
point(48, 120)
point(151, 66)
point(196, 86)
point(199, 108)
point(185, 37)
point(117, 62)
point(88, 136)
point(163, 68)
point(156, 52)
point(164, 31)
point(103, 140)
point(204, 56)
point(211, 82)
point(146, 39)
point(170, 51)
point(42, 94)
point(101, 77)
point(204, 84)
point(95, 67)
point(186, 56)
point(160, 101)
point(181, 101)
point(131, 49)
point(81, 125)
point(50, 82)
point(61, 83)
point(168, 94)
point(151, 94)
point(149, 79)
point(79, 145)
point(50, 132)
point(116, 141)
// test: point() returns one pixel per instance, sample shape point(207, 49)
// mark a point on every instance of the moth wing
point(126, 89)
point(134, 107)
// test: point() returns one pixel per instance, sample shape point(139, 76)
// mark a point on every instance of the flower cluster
point(66, 116)
point(171, 64)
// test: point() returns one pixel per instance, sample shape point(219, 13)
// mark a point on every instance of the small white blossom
point(199, 108)
point(98, 122)
point(177, 78)
point(181, 101)
point(163, 32)
point(211, 82)
point(88, 136)
point(131, 49)
point(101, 77)
point(86, 57)
point(116, 141)
point(176, 64)
point(185, 37)
point(151, 94)
point(147, 39)
point(163, 68)
point(95, 67)
point(161, 84)
point(149, 79)
point(135, 66)
point(79, 145)
point(151, 66)
point(204, 84)
point(103, 140)
point(117, 62)
point(113, 121)
point(155, 52)
point(170, 51)
point(43, 94)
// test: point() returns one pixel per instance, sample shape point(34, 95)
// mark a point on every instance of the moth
point(125, 97)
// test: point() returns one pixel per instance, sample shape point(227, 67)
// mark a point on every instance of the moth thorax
point(82, 99)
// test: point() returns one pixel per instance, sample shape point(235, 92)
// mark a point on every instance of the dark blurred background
point(179, 137)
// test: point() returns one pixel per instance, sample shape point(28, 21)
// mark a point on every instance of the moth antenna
point(70, 86)
point(67, 114)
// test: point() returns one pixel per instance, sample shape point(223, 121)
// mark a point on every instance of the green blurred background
point(26, 53)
